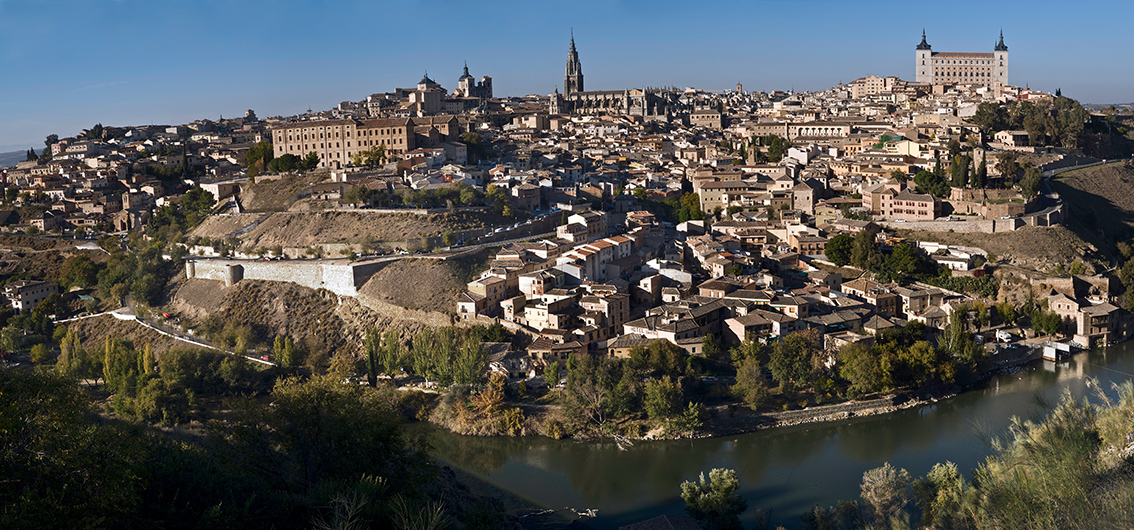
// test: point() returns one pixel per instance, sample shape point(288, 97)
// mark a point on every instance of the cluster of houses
point(110, 179)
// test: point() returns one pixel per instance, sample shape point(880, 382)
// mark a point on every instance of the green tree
point(1007, 167)
point(79, 271)
point(864, 249)
point(551, 373)
point(61, 469)
point(861, 368)
point(372, 343)
point(690, 209)
point(940, 497)
point(40, 353)
point(357, 195)
point(148, 359)
point(776, 147)
point(475, 144)
point(309, 162)
point(262, 153)
point(838, 249)
point(958, 340)
point(284, 352)
point(662, 399)
point(790, 360)
point(285, 163)
point(751, 387)
point(715, 502)
point(392, 358)
point(991, 118)
point(317, 432)
point(933, 183)
point(1030, 184)
point(471, 362)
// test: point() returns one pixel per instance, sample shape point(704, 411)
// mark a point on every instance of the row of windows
point(937, 62)
point(363, 132)
point(954, 61)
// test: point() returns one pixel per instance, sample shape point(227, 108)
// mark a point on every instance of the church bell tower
point(573, 80)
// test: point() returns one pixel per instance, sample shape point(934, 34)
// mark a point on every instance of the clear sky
point(67, 64)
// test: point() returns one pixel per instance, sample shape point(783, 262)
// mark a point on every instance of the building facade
point(337, 141)
point(970, 68)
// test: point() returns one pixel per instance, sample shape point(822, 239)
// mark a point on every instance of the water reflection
point(782, 470)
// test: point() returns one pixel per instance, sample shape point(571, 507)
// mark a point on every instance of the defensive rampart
point(341, 277)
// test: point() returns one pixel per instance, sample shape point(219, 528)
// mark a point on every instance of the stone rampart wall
point(343, 279)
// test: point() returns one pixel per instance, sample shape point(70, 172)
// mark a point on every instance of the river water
point(786, 470)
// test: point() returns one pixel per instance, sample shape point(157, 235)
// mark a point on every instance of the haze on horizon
point(72, 63)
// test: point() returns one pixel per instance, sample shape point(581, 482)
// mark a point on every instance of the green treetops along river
point(786, 470)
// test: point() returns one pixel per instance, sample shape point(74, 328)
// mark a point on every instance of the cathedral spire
point(573, 80)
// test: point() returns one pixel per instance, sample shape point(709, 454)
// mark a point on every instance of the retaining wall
point(341, 278)
point(793, 416)
point(987, 226)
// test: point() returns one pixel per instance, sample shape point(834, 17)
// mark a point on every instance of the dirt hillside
point(306, 229)
point(275, 195)
point(40, 257)
point(1031, 247)
point(424, 284)
point(1100, 202)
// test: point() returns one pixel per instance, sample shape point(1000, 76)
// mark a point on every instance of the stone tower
point(465, 83)
point(923, 66)
point(573, 80)
point(1000, 64)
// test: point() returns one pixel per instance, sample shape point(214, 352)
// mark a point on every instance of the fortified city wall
point(340, 277)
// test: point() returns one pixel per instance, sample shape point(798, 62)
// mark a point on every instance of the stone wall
point(987, 226)
point(341, 278)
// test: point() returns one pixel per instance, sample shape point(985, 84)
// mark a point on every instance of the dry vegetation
point(1031, 247)
point(307, 229)
point(275, 195)
point(40, 257)
point(92, 333)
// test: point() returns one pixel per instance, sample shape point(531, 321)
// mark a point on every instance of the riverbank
point(733, 418)
point(526, 514)
point(785, 471)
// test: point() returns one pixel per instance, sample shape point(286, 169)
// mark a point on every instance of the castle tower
point(923, 64)
point(1000, 64)
point(573, 80)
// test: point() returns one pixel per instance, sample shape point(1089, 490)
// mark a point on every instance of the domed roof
point(466, 74)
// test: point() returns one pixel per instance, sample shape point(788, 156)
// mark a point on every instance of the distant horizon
point(131, 63)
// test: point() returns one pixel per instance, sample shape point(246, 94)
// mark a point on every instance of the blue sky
point(68, 64)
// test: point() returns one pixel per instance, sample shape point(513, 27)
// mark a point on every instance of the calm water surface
point(786, 470)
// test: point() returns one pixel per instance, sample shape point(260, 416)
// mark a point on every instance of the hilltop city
point(632, 263)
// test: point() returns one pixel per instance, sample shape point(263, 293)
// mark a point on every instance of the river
point(786, 470)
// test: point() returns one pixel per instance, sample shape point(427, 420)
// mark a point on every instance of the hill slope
point(1100, 202)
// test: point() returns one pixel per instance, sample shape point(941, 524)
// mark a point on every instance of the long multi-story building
point(336, 141)
point(969, 68)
